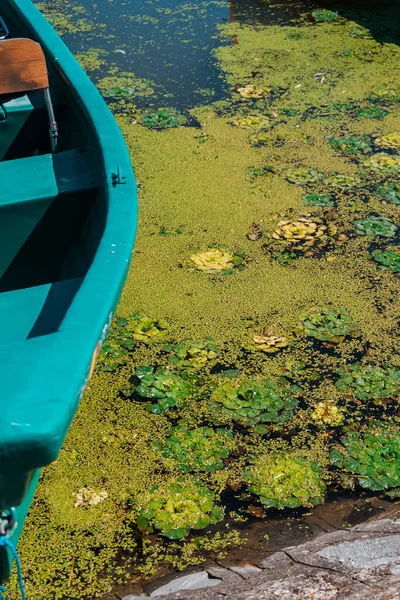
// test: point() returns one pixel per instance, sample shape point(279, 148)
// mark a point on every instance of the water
point(168, 42)
point(325, 126)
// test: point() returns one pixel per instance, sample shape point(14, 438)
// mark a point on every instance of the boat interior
point(52, 204)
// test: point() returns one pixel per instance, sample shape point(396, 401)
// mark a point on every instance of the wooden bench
point(23, 69)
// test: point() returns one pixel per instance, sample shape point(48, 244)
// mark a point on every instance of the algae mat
point(254, 354)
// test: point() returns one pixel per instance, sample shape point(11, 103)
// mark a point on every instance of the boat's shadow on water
point(380, 18)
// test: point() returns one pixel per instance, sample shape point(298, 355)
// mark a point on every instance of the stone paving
point(360, 563)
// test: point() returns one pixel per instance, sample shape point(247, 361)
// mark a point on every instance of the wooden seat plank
point(22, 66)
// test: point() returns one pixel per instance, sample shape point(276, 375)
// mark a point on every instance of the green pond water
point(254, 357)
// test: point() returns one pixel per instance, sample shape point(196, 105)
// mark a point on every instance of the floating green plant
point(389, 192)
point(303, 176)
point(306, 235)
point(324, 200)
point(115, 350)
point(391, 140)
point(253, 172)
point(92, 59)
point(290, 112)
point(262, 138)
point(361, 33)
point(383, 163)
point(123, 336)
point(285, 258)
point(124, 86)
point(325, 16)
point(144, 329)
point(371, 458)
point(297, 35)
point(251, 91)
point(192, 355)
point(347, 53)
point(286, 480)
point(71, 19)
point(326, 413)
point(372, 112)
point(163, 118)
point(269, 342)
point(302, 229)
point(369, 382)
point(176, 506)
point(166, 389)
point(387, 259)
point(251, 122)
point(218, 259)
point(196, 450)
point(389, 95)
point(254, 402)
point(343, 182)
point(374, 226)
point(351, 145)
point(328, 325)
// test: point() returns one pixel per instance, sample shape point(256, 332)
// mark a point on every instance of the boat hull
point(69, 232)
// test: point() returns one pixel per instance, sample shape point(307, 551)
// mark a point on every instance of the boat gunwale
point(110, 265)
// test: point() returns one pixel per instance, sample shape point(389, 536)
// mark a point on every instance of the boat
point(68, 216)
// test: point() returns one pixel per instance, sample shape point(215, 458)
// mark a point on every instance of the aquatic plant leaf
point(330, 326)
point(372, 456)
point(351, 145)
point(285, 480)
point(323, 15)
point(182, 503)
point(387, 259)
point(375, 226)
point(369, 382)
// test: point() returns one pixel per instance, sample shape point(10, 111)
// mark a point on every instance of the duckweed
point(251, 122)
point(193, 180)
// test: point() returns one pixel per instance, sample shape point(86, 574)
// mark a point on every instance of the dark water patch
point(165, 42)
point(378, 19)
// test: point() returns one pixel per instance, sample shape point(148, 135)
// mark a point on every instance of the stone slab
point(194, 581)
point(365, 554)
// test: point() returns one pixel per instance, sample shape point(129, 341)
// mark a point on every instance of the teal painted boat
point(68, 214)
